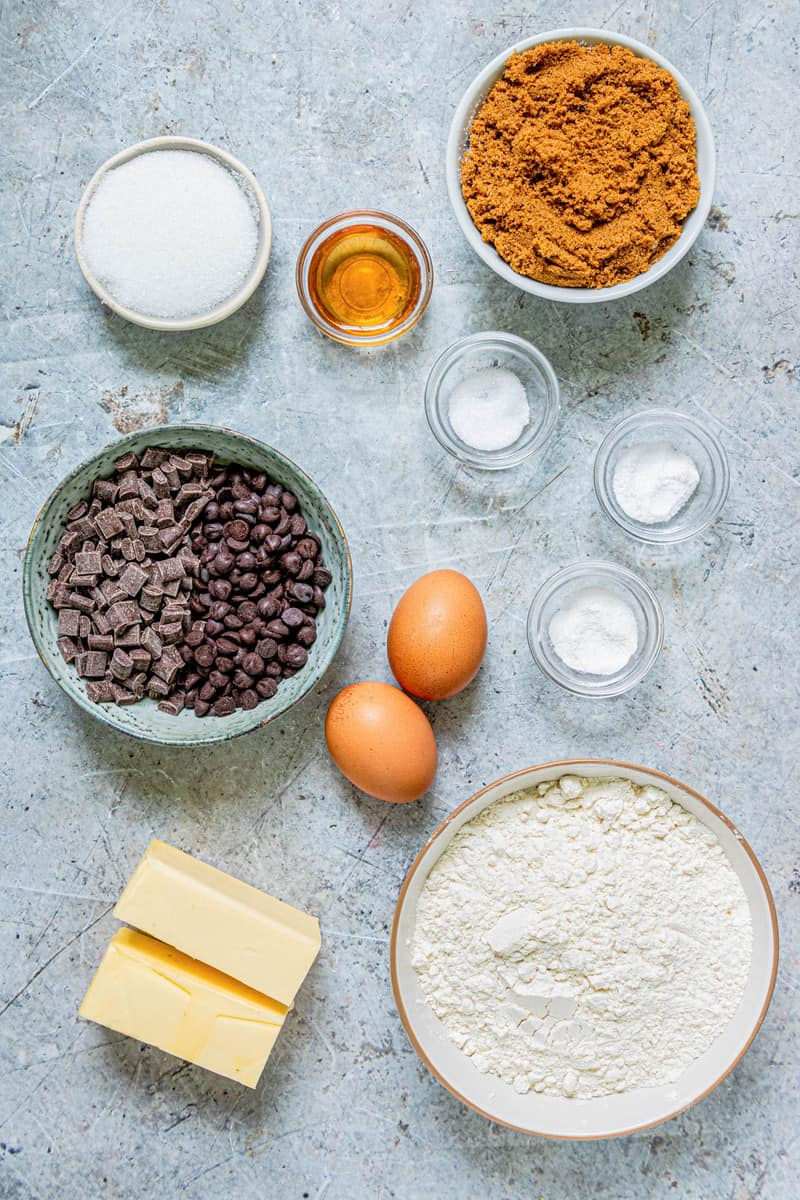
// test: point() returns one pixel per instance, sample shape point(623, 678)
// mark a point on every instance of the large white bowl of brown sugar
point(580, 165)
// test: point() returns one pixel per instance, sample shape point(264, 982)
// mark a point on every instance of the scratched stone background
point(336, 106)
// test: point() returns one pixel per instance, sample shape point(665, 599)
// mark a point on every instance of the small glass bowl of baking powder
point(626, 476)
point(620, 594)
point(496, 366)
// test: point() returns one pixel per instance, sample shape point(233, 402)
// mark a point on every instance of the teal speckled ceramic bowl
point(145, 720)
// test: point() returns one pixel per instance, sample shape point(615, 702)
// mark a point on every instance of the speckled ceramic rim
point(459, 133)
point(219, 731)
point(491, 460)
point(396, 226)
point(560, 767)
point(257, 270)
point(678, 529)
point(597, 686)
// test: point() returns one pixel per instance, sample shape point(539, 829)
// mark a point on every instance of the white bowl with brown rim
point(604, 1116)
point(458, 141)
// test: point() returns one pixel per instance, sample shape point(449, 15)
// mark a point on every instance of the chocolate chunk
point(56, 563)
point(101, 641)
point(112, 591)
point(170, 632)
point(131, 635)
point(169, 536)
point(84, 603)
point(168, 665)
point(167, 570)
point(67, 648)
point(174, 705)
point(199, 460)
point(128, 462)
point(148, 535)
point(101, 623)
point(94, 664)
point(123, 613)
point(151, 597)
point(132, 579)
point(100, 691)
point(140, 658)
point(121, 665)
point(160, 483)
point(151, 642)
point(68, 622)
point(108, 524)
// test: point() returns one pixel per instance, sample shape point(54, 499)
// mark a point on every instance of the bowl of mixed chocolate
point(187, 584)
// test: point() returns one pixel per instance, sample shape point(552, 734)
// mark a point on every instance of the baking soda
point(170, 234)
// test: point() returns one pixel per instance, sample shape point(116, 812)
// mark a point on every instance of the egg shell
point(437, 635)
point(381, 741)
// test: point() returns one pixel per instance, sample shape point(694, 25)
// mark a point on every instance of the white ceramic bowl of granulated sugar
point(173, 233)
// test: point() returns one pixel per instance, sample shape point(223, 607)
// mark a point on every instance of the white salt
point(170, 233)
point(595, 632)
point(653, 481)
point(489, 409)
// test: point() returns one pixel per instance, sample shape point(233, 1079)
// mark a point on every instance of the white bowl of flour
point(584, 949)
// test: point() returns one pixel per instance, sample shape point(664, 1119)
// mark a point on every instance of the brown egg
point(381, 741)
point(437, 635)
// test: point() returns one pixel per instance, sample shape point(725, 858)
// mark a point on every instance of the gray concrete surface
point(335, 106)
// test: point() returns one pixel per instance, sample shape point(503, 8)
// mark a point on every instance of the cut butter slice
point(238, 929)
point(151, 992)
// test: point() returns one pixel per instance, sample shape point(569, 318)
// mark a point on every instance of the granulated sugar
point(170, 234)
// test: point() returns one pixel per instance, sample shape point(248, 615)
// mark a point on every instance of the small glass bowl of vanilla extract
point(364, 277)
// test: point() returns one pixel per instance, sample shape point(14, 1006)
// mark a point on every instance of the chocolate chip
point(239, 530)
point(292, 617)
point(204, 655)
point(303, 593)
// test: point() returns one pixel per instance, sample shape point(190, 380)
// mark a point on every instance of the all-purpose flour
point(583, 938)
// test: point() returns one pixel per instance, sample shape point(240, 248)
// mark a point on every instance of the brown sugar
point(581, 164)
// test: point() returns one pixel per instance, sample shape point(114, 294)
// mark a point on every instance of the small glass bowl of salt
point(491, 400)
point(595, 628)
point(662, 476)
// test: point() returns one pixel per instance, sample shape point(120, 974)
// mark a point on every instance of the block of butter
point(264, 943)
point(152, 992)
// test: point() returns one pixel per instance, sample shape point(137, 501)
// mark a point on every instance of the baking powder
point(653, 482)
point(583, 937)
